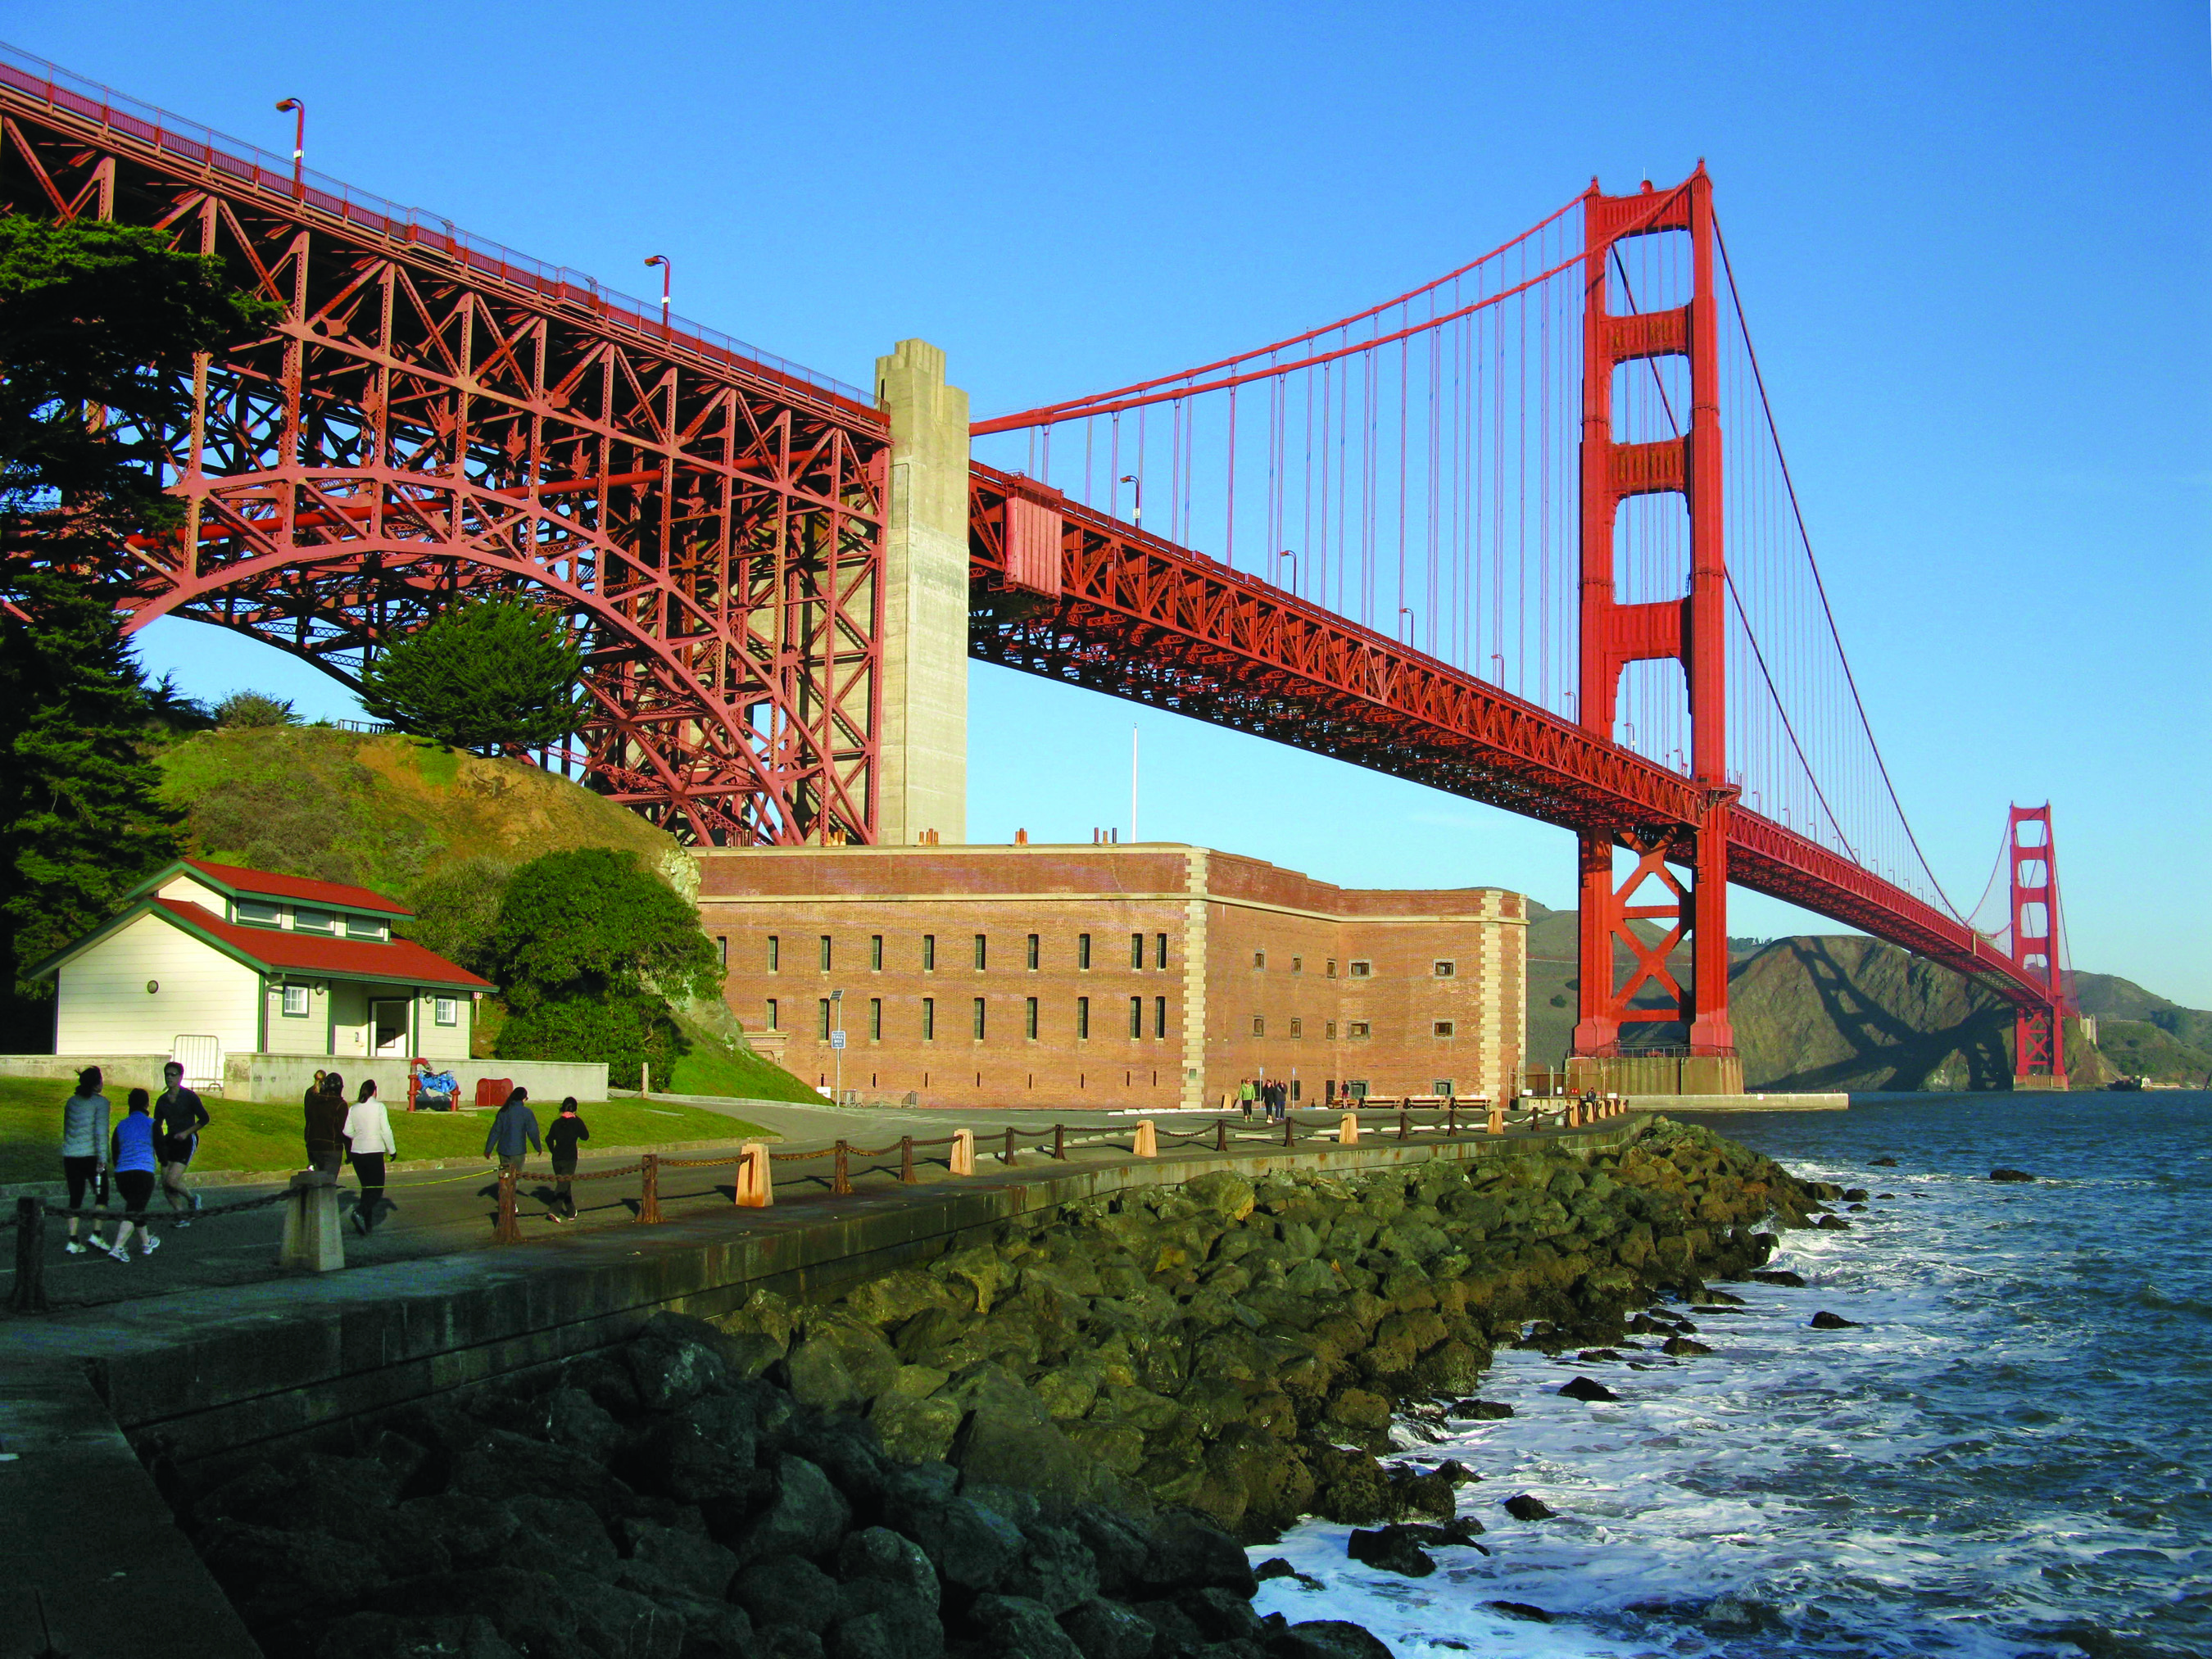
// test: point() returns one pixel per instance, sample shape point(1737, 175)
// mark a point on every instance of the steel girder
point(1145, 619)
point(422, 422)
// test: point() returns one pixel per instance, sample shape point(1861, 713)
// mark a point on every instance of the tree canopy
point(484, 675)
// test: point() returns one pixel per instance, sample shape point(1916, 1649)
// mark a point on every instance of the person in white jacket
point(368, 1138)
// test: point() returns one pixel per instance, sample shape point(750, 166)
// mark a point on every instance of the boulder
point(1480, 1411)
point(1326, 1638)
point(1224, 1193)
point(674, 1360)
point(1533, 1614)
point(1008, 1437)
point(840, 1364)
point(1780, 1276)
point(559, 1537)
point(789, 1591)
point(2010, 1174)
point(1015, 1624)
point(1055, 1569)
point(620, 1624)
point(689, 1561)
point(383, 1636)
point(1683, 1347)
point(897, 1297)
point(897, 1630)
point(1183, 1552)
point(1582, 1388)
point(1107, 1630)
point(702, 1450)
point(877, 1555)
point(1825, 1321)
point(970, 1548)
point(1393, 1549)
point(805, 1517)
point(1525, 1506)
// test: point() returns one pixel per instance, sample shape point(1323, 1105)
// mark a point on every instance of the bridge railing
point(241, 163)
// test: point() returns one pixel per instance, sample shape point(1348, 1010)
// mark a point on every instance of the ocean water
point(2011, 1455)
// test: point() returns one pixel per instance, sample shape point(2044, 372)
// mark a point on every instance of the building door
point(388, 1028)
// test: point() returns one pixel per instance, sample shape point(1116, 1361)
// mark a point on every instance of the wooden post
point(841, 1171)
point(906, 1159)
point(755, 1184)
point(964, 1152)
point(648, 1191)
point(1348, 1129)
point(1290, 1132)
point(1060, 1141)
point(1148, 1140)
point(508, 1227)
point(1451, 1115)
point(29, 1295)
point(645, 1080)
point(1221, 1134)
point(1008, 1157)
point(1405, 1122)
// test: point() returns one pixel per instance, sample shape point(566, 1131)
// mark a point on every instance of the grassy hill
point(392, 813)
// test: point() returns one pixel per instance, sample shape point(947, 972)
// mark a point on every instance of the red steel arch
point(434, 416)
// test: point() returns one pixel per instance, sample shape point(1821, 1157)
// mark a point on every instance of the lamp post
point(1136, 512)
point(1406, 626)
point(837, 1043)
point(298, 113)
point(1288, 554)
point(661, 260)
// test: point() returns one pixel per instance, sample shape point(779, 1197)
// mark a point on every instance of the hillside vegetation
point(442, 830)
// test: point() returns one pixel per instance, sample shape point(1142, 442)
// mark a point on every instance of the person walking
point(325, 1125)
point(513, 1130)
point(368, 1141)
point(84, 1153)
point(1244, 1092)
point(132, 1156)
point(562, 1135)
point(179, 1117)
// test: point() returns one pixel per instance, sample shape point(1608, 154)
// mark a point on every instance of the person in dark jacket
point(562, 1135)
point(513, 1130)
point(179, 1117)
point(326, 1115)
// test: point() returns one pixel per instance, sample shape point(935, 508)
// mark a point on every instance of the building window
point(1298, 1027)
point(1332, 968)
point(876, 953)
point(1443, 1086)
point(1443, 1028)
point(371, 927)
point(1159, 1017)
point(253, 913)
point(1159, 949)
point(445, 1011)
point(1444, 969)
point(1357, 1030)
point(1033, 952)
point(1136, 1017)
point(929, 953)
point(1362, 969)
point(982, 952)
point(1083, 1017)
point(771, 1015)
point(1298, 964)
point(1259, 1025)
point(1259, 958)
point(1136, 950)
point(929, 1019)
point(722, 951)
point(825, 953)
point(1030, 1017)
point(295, 1002)
point(775, 953)
point(875, 1020)
point(824, 1005)
point(1329, 1030)
point(1356, 1087)
point(305, 920)
point(1083, 949)
point(979, 1020)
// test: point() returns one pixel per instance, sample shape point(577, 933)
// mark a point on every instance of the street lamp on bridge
point(661, 260)
point(1288, 554)
point(1406, 625)
point(298, 111)
point(1136, 512)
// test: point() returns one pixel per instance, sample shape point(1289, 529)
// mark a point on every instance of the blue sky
point(1971, 239)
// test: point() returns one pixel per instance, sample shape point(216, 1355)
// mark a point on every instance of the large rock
point(1055, 1569)
point(1014, 1624)
point(790, 1590)
point(841, 1363)
point(686, 1560)
point(383, 1636)
point(877, 1555)
point(806, 1517)
point(1224, 1193)
point(702, 1450)
point(675, 1360)
point(559, 1537)
point(970, 1546)
point(1008, 1437)
point(1393, 1549)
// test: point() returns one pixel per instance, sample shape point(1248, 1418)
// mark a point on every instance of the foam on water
point(2010, 1456)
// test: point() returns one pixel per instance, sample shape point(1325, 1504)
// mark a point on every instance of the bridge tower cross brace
point(2039, 1048)
point(1688, 865)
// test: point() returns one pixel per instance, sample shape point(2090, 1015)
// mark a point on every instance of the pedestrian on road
point(84, 1153)
point(326, 1116)
point(130, 1154)
point(513, 1129)
point(368, 1138)
point(1244, 1093)
point(179, 1117)
point(562, 1135)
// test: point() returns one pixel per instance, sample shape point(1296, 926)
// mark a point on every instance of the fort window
point(1362, 969)
point(1159, 1017)
point(979, 1020)
point(1136, 1017)
point(929, 1019)
point(876, 952)
point(1329, 1030)
point(875, 1020)
point(1356, 1087)
point(1136, 950)
point(1443, 969)
point(771, 1015)
point(1083, 949)
point(1083, 1017)
point(1297, 1027)
point(722, 948)
point(822, 1005)
point(1259, 1025)
point(825, 953)
point(1442, 1087)
point(1332, 968)
point(1443, 1028)
point(1159, 949)
point(982, 952)
point(1030, 1016)
point(775, 953)
point(1298, 964)
point(1357, 1030)
point(1033, 952)
point(1259, 958)
point(929, 953)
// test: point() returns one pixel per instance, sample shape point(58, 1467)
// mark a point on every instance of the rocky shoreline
point(1053, 1441)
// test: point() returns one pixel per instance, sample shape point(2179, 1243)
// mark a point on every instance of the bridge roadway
point(205, 1354)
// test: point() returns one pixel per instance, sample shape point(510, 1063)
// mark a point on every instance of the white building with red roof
point(253, 962)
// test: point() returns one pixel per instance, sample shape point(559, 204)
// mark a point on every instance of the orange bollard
point(964, 1152)
point(755, 1185)
point(1348, 1129)
point(1148, 1140)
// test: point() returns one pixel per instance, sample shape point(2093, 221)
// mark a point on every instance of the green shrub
point(627, 1030)
point(246, 708)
